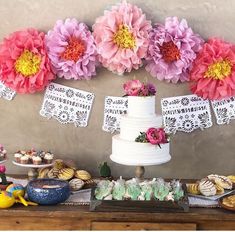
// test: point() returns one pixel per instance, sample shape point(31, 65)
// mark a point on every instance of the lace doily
point(185, 113)
point(224, 110)
point(114, 107)
point(67, 105)
point(6, 92)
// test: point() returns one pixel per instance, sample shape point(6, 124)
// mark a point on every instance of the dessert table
point(68, 217)
point(62, 217)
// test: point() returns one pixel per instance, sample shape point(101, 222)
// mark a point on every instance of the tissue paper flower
point(24, 64)
point(172, 49)
point(121, 37)
point(71, 49)
point(213, 72)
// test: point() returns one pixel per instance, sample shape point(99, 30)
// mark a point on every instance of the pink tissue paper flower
point(213, 72)
point(71, 49)
point(156, 136)
point(121, 37)
point(24, 64)
point(172, 49)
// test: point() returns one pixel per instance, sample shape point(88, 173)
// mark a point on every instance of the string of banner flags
point(182, 113)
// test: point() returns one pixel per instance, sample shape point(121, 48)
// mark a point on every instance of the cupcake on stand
point(3, 154)
point(34, 160)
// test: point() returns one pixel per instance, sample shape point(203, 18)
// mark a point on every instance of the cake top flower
point(137, 88)
point(121, 37)
point(213, 72)
point(172, 49)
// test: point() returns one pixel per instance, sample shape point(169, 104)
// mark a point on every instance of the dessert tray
point(132, 205)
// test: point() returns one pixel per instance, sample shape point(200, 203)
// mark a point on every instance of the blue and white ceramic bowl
point(48, 191)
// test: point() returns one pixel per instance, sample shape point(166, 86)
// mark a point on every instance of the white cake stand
point(33, 171)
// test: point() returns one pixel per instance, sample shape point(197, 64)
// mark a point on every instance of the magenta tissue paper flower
point(172, 49)
point(121, 37)
point(72, 50)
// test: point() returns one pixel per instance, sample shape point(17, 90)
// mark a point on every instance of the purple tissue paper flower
point(172, 49)
point(72, 50)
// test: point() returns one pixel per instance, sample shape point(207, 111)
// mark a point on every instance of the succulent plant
point(105, 170)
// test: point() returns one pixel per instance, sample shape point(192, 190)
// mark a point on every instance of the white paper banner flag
point(185, 113)
point(114, 107)
point(224, 110)
point(67, 105)
point(6, 92)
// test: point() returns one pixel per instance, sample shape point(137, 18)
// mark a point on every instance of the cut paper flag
point(185, 113)
point(224, 110)
point(114, 108)
point(67, 105)
point(6, 92)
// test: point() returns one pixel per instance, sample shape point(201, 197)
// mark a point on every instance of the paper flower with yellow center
point(24, 64)
point(121, 37)
point(213, 72)
point(71, 49)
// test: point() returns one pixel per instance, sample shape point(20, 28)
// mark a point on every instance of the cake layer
point(141, 106)
point(138, 154)
point(130, 127)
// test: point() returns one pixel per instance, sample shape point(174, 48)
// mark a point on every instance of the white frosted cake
point(140, 117)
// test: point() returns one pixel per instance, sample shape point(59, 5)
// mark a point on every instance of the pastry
point(36, 160)
point(222, 181)
point(229, 201)
point(53, 173)
point(76, 184)
point(17, 157)
point(48, 158)
point(66, 173)
point(24, 160)
point(219, 190)
point(43, 172)
point(232, 178)
point(193, 189)
point(83, 175)
point(207, 188)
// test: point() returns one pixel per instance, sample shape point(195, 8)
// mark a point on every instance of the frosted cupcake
point(24, 160)
point(17, 157)
point(37, 160)
point(48, 158)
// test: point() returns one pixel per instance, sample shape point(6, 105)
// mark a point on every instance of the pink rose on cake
point(155, 136)
point(137, 88)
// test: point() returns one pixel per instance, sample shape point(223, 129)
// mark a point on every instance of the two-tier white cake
point(140, 117)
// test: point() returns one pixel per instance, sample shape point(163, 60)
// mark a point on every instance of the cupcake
point(48, 158)
point(2, 157)
point(24, 160)
point(17, 157)
point(37, 160)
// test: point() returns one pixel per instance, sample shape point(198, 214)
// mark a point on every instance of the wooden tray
point(141, 206)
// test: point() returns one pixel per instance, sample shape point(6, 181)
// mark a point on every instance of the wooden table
point(80, 218)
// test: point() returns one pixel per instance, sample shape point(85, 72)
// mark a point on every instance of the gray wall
point(193, 155)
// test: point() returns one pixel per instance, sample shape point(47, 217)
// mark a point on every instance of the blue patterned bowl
point(48, 191)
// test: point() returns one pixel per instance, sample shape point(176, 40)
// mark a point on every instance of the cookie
point(83, 175)
point(76, 184)
point(232, 178)
point(219, 190)
point(222, 181)
point(207, 188)
point(66, 173)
